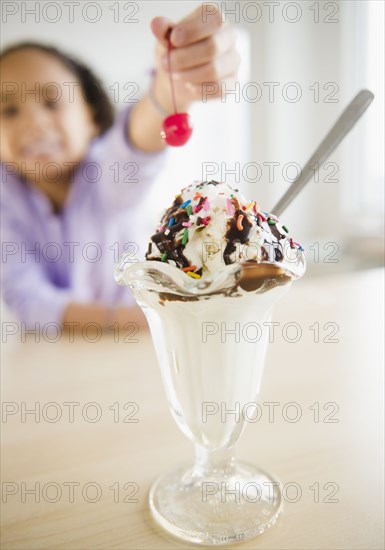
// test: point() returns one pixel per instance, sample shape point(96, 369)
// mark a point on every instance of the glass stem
point(214, 463)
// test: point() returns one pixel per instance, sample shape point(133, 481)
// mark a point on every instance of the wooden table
point(91, 475)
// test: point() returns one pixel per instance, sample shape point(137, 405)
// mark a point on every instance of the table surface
point(76, 474)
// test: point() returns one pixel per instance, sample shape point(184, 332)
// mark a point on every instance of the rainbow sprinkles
point(211, 224)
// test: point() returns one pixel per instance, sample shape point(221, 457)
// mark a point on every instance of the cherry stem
point(169, 69)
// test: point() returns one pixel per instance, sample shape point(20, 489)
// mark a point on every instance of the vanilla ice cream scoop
point(210, 225)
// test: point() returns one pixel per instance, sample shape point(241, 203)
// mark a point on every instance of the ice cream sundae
point(214, 269)
point(210, 225)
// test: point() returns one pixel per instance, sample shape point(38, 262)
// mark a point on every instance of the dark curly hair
point(92, 89)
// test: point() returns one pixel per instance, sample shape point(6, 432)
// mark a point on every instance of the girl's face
point(45, 123)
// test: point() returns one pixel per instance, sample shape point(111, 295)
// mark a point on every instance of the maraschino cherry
point(176, 128)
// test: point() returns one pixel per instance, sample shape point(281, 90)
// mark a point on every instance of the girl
point(62, 209)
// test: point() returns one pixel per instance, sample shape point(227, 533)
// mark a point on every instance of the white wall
point(338, 49)
point(303, 53)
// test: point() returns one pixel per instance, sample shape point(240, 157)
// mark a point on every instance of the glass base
point(216, 509)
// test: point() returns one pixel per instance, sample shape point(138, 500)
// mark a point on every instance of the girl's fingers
point(203, 51)
point(213, 71)
point(195, 27)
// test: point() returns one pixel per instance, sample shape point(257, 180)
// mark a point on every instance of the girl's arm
point(203, 52)
point(145, 123)
point(76, 316)
point(26, 286)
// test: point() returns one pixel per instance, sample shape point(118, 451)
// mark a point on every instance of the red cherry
point(176, 129)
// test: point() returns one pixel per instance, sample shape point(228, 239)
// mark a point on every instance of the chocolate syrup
point(235, 235)
point(255, 276)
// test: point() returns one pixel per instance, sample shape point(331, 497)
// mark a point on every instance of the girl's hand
point(202, 53)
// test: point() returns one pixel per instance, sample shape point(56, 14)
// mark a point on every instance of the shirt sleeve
point(124, 173)
point(26, 288)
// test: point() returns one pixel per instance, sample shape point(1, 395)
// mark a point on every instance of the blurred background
point(302, 62)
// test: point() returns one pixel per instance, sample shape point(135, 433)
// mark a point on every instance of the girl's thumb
point(159, 27)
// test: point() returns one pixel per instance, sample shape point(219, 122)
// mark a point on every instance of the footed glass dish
point(211, 350)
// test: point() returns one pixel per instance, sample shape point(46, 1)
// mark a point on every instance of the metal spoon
point(342, 126)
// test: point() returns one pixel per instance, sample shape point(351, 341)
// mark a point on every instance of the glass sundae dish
point(214, 269)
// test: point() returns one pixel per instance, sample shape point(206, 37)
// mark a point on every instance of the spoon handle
point(342, 126)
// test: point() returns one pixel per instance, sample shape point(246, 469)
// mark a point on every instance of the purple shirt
point(50, 260)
